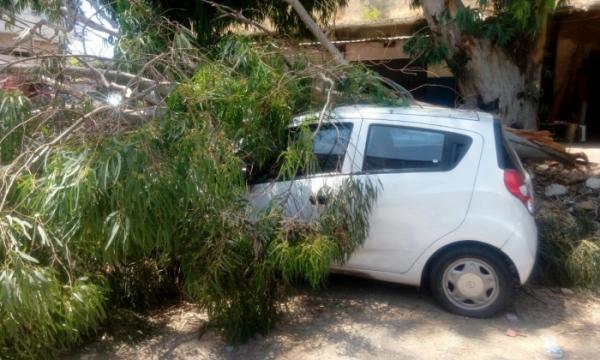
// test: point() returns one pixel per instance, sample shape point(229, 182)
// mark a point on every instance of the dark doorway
point(592, 118)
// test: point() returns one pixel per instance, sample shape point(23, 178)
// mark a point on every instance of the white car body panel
point(410, 214)
point(419, 213)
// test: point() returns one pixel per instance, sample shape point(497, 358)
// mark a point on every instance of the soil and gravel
point(364, 319)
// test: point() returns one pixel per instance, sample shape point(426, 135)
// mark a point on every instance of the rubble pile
point(567, 214)
point(577, 187)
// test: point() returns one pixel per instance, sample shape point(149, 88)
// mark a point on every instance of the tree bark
point(490, 79)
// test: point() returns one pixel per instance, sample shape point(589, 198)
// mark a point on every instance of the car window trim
point(440, 168)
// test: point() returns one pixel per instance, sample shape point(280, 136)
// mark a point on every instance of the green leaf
point(27, 257)
point(113, 234)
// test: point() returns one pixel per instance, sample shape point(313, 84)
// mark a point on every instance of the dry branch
point(118, 77)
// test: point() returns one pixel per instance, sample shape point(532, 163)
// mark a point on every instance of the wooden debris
point(539, 146)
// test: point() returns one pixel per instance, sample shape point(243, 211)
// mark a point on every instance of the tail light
point(516, 185)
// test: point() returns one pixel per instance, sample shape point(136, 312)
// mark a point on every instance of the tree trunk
point(488, 78)
point(491, 81)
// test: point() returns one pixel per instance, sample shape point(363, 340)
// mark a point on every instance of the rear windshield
point(506, 159)
point(506, 154)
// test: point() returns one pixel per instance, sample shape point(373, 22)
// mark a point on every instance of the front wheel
point(472, 282)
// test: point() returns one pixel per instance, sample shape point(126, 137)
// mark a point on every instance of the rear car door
point(427, 175)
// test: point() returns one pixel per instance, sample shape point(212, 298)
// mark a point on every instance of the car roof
point(383, 113)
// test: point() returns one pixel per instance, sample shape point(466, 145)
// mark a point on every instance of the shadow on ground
point(365, 319)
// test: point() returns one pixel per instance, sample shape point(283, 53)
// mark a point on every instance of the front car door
point(334, 146)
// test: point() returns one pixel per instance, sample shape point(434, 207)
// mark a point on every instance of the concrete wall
point(370, 12)
point(375, 50)
point(377, 12)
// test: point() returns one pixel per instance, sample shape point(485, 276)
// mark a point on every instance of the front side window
point(395, 148)
point(329, 146)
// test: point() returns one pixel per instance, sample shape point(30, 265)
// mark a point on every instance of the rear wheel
point(472, 282)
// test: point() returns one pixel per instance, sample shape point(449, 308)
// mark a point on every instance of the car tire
point(474, 282)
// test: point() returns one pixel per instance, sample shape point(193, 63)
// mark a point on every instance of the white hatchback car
point(455, 206)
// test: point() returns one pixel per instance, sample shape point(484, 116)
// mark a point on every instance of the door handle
point(320, 199)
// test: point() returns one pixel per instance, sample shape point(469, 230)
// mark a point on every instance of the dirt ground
point(362, 319)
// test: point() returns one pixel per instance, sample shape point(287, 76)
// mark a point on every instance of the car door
point(427, 175)
point(334, 148)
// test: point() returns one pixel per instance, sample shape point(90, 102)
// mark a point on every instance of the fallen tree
point(93, 183)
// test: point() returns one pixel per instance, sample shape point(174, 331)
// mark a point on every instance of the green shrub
point(41, 315)
point(144, 284)
point(245, 269)
point(568, 254)
point(583, 264)
point(14, 110)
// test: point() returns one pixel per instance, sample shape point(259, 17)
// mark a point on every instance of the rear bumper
point(522, 246)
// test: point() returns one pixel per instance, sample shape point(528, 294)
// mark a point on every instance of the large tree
point(493, 47)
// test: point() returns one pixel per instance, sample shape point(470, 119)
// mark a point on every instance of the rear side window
point(396, 148)
point(330, 145)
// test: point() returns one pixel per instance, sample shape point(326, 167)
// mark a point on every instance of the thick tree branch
point(317, 32)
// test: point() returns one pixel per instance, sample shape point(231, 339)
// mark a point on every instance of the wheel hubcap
point(470, 284)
